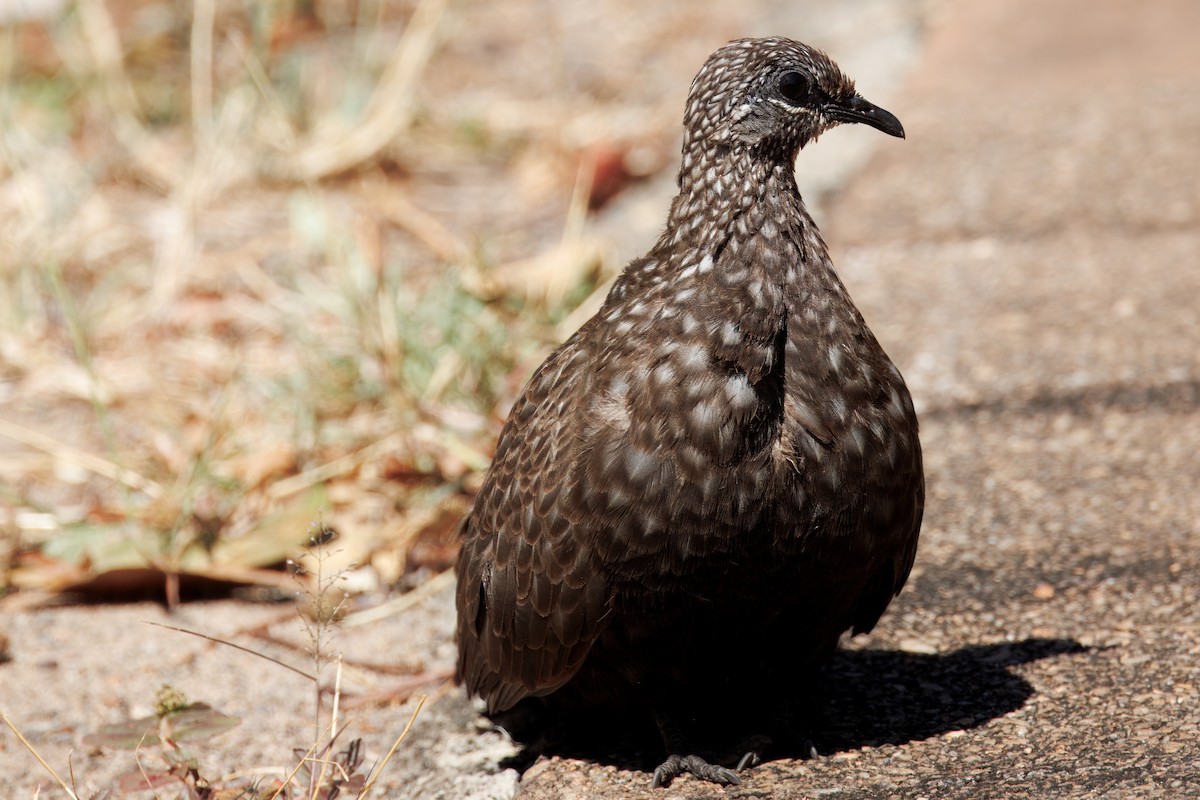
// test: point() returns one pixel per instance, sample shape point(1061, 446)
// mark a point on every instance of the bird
point(719, 474)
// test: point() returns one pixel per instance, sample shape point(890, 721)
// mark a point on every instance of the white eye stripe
point(789, 107)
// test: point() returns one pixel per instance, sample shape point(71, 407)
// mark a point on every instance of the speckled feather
point(719, 473)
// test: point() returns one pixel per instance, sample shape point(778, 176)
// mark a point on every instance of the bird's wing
point(894, 523)
point(530, 600)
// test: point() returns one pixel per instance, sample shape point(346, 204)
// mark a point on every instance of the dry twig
point(389, 110)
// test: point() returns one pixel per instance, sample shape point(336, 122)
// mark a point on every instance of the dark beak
point(856, 109)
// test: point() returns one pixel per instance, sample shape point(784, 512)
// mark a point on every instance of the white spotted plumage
point(724, 452)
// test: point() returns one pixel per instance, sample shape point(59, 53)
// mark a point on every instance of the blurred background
point(269, 263)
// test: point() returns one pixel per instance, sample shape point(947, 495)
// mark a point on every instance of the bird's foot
point(676, 765)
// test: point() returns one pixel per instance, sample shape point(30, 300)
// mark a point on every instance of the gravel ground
point(1029, 259)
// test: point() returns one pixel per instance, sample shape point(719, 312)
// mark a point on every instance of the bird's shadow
point(876, 697)
point(861, 698)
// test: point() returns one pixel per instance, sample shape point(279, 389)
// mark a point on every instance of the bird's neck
point(727, 196)
point(744, 217)
point(716, 190)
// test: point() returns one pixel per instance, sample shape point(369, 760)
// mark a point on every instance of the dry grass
point(263, 264)
point(223, 307)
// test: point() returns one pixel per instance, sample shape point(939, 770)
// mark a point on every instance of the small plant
point(324, 606)
point(174, 722)
point(320, 773)
point(329, 779)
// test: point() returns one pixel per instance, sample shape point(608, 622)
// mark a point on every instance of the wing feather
point(530, 604)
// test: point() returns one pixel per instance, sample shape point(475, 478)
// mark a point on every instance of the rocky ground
point(1030, 257)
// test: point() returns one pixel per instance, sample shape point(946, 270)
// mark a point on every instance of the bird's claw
point(676, 765)
point(750, 758)
point(752, 754)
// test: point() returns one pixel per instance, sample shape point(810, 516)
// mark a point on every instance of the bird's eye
point(795, 87)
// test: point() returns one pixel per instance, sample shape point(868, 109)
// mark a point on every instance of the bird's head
point(774, 95)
